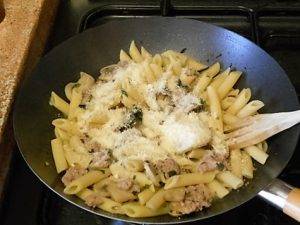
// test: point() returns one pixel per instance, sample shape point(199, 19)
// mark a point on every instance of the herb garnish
point(134, 117)
point(180, 84)
point(183, 50)
point(220, 166)
point(124, 92)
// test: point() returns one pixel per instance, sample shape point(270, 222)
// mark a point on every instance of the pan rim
point(129, 219)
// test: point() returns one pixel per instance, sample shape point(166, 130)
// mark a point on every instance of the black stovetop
point(274, 25)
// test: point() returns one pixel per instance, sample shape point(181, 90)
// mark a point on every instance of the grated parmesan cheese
point(184, 132)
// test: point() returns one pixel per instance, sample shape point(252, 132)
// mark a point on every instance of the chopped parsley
point(220, 166)
point(200, 107)
point(135, 116)
point(124, 93)
point(218, 56)
point(180, 84)
point(183, 50)
point(76, 85)
point(172, 173)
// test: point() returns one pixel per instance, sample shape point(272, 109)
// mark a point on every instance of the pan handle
point(284, 197)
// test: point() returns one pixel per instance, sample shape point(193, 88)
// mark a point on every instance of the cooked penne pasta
point(218, 188)
point(134, 165)
point(174, 195)
point(215, 108)
point(196, 154)
point(86, 180)
point(227, 102)
point(241, 100)
point(75, 102)
point(134, 53)
point(236, 162)
point(134, 209)
point(257, 154)
point(145, 195)
point(148, 136)
point(124, 56)
point(228, 83)
point(145, 54)
point(233, 93)
point(111, 206)
point(247, 165)
point(230, 119)
point(250, 109)
point(58, 155)
point(157, 200)
point(205, 78)
point(219, 79)
point(229, 179)
point(59, 103)
point(189, 179)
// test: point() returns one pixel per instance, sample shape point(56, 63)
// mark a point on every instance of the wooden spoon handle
point(292, 205)
point(284, 197)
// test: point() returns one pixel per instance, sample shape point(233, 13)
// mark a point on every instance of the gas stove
point(273, 25)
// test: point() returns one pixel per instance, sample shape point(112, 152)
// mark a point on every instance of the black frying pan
point(100, 46)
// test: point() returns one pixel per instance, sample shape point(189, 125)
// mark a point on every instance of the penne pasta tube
point(236, 162)
point(205, 78)
point(134, 53)
point(84, 181)
point(233, 93)
point(59, 103)
point(58, 155)
point(241, 100)
point(119, 171)
point(250, 109)
point(229, 179)
point(156, 69)
point(227, 102)
point(157, 200)
point(215, 107)
point(218, 189)
point(230, 119)
point(157, 59)
point(73, 157)
point(75, 102)
point(134, 165)
point(148, 74)
point(124, 57)
point(142, 179)
point(195, 65)
point(174, 195)
point(84, 193)
point(257, 154)
point(228, 83)
point(196, 154)
point(145, 54)
point(264, 146)
point(135, 210)
point(145, 195)
point(219, 79)
point(68, 90)
point(111, 206)
point(189, 179)
point(59, 133)
point(247, 165)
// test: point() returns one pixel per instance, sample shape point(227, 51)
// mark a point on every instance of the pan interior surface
point(100, 46)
